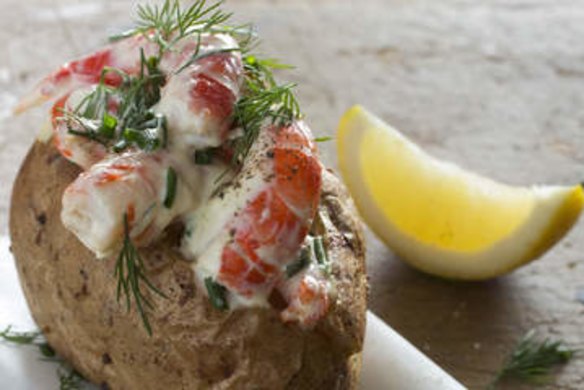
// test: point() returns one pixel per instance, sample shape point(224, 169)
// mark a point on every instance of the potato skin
point(72, 298)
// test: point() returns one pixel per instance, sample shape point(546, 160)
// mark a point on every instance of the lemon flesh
point(440, 218)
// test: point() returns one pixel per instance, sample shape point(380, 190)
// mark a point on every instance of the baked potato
point(72, 297)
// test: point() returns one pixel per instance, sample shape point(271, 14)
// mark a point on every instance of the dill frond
point(532, 360)
point(130, 272)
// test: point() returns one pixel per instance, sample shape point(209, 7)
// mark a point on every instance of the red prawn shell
point(269, 231)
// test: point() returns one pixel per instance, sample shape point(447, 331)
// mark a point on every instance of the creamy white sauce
point(208, 233)
point(307, 313)
point(93, 212)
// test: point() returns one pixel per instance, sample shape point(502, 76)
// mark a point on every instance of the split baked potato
point(72, 297)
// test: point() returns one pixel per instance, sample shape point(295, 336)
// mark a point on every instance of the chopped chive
point(133, 135)
point(204, 156)
point(108, 126)
point(323, 139)
point(298, 265)
point(319, 251)
point(46, 350)
point(171, 183)
point(163, 129)
point(321, 255)
point(216, 294)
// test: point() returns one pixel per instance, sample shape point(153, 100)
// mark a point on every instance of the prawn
point(87, 70)
point(132, 184)
point(83, 152)
point(197, 101)
point(202, 95)
point(307, 294)
point(245, 237)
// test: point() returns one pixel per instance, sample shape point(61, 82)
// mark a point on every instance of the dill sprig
point(299, 264)
point(169, 23)
point(134, 123)
point(22, 338)
point(35, 338)
point(137, 95)
point(276, 104)
point(532, 360)
point(69, 378)
point(263, 100)
point(130, 272)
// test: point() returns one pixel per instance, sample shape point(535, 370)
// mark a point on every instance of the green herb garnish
point(23, 338)
point(302, 262)
point(216, 294)
point(168, 24)
point(276, 104)
point(263, 101)
point(532, 360)
point(130, 272)
point(69, 379)
point(323, 139)
point(47, 351)
point(134, 124)
point(171, 183)
point(28, 338)
point(35, 338)
point(205, 156)
point(321, 255)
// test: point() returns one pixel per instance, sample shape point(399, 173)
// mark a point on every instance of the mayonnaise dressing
point(134, 184)
point(207, 233)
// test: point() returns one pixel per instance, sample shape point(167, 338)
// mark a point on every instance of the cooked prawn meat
point(257, 226)
point(199, 94)
point(198, 101)
point(245, 236)
point(79, 150)
point(133, 184)
point(123, 55)
point(307, 294)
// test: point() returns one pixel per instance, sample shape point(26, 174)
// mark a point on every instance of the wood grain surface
point(497, 86)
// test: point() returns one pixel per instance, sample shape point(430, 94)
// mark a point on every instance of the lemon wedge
point(440, 218)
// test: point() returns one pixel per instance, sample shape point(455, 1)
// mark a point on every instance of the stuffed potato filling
point(184, 125)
